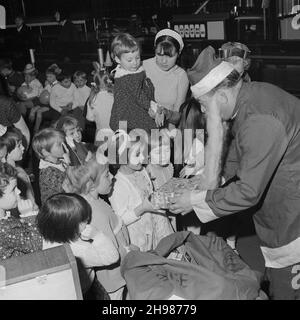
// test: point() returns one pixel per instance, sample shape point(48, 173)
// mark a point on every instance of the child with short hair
point(48, 144)
point(32, 89)
point(81, 96)
point(18, 236)
point(91, 180)
point(83, 91)
point(13, 140)
point(14, 79)
point(65, 218)
point(36, 113)
point(130, 198)
point(62, 97)
point(78, 152)
point(133, 91)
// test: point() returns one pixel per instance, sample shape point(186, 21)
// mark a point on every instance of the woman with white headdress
point(170, 81)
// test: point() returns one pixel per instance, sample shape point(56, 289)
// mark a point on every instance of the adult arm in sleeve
point(262, 141)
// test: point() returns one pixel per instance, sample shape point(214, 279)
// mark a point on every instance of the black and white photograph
point(149, 153)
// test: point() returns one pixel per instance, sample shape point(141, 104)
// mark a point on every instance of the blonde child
point(12, 140)
point(36, 113)
point(18, 235)
point(91, 180)
point(101, 99)
point(48, 144)
point(133, 91)
point(130, 198)
point(65, 218)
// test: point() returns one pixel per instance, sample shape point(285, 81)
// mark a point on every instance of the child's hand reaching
point(146, 206)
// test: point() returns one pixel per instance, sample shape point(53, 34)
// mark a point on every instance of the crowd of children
point(79, 201)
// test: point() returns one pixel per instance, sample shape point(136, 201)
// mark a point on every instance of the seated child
point(65, 218)
point(48, 146)
point(101, 99)
point(82, 95)
point(36, 113)
point(14, 79)
point(78, 152)
point(133, 91)
point(34, 88)
point(12, 139)
point(62, 97)
point(91, 180)
point(18, 236)
point(130, 199)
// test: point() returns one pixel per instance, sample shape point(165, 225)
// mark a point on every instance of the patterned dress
point(18, 237)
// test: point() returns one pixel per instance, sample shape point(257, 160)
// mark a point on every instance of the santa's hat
point(207, 72)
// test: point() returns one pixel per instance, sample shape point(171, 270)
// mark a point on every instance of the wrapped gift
point(161, 198)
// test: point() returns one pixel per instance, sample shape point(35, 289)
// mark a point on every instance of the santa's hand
point(181, 202)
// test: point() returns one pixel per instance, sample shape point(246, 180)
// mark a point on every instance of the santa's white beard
point(213, 150)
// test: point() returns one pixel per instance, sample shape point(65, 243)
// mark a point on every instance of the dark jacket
point(68, 33)
point(132, 96)
point(265, 157)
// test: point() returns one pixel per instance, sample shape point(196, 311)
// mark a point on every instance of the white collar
point(20, 28)
point(46, 164)
point(120, 72)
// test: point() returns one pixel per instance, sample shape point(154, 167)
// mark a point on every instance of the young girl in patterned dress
point(18, 235)
point(48, 144)
point(130, 199)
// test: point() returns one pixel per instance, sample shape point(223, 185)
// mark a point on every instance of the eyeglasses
point(234, 52)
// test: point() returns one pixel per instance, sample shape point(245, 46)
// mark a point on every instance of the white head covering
point(170, 33)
